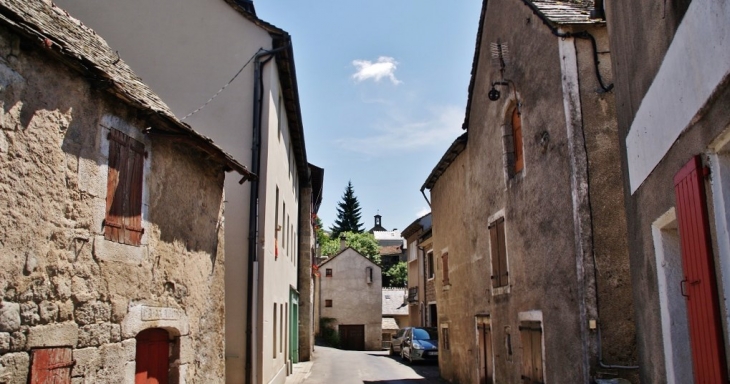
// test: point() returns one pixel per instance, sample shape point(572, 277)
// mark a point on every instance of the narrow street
point(334, 366)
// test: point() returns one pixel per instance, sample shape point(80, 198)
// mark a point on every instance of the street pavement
point(334, 366)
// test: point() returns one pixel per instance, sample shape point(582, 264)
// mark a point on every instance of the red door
point(51, 366)
point(153, 361)
point(699, 285)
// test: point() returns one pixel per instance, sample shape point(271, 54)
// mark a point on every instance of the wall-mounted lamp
point(494, 93)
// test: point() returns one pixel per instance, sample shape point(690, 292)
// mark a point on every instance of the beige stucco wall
point(186, 51)
point(354, 301)
point(62, 283)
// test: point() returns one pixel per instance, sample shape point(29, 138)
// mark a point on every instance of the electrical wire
point(222, 88)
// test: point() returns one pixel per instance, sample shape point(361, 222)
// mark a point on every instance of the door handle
point(681, 288)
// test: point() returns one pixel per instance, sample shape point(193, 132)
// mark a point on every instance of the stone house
point(350, 288)
point(421, 292)
point(674, 124)
point(395, 313)
point(532, 266)
point(257, 118)
point(112, 240)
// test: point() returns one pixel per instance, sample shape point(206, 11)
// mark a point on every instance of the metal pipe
point(424, 196)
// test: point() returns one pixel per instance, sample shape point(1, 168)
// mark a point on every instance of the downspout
point(425, 197)
point(253, 215)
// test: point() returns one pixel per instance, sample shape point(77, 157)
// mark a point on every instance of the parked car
point(397, 341)
point(420, 344)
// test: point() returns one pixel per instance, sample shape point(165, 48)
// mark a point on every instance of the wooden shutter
point(51, 366)
point(486, 370)
point(532, 360)
point(699, 284)
point(123, 221)
point(152, 357)
point(517, 140)
point(445, 262)
point(499, 254)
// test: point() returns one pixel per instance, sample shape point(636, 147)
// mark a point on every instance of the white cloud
point(423, 211)
point(384, 67)
point(440, 125)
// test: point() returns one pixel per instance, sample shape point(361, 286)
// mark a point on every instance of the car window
point(400, 333)
point(425, 334)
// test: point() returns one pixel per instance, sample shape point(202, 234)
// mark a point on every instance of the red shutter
point(699, 285)
point(51, 366)
point(153, 357)
point(517, 139)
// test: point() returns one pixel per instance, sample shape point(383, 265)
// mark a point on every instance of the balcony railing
point(412, 294)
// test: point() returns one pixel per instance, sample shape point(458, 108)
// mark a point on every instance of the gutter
point(252, 278)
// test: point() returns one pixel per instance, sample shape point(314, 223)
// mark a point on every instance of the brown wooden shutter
point(499, 254)
point(51, 366)
point(699, 284)
point(532, 359)
point(123, 222)
point(517, 140)
point(445, 262)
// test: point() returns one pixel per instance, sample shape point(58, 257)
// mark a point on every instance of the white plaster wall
point(186, 50)
point(696, 62)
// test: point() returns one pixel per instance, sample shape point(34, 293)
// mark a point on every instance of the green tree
point(322, 236)
point(348, 214)
point(398, 274)
point(364, 243)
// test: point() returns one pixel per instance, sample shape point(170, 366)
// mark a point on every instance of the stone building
point(349, 290)
point(671, 66)
point(112, 232)
point(529, 239)
point(395, 313)
point(421, 293)
point(257, 118)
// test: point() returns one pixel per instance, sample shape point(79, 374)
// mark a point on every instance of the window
point(328, 303)
point(328, 272)
point(500, 276)
point(517, 141)
point(445, 264)
point(532, 359)
point(281, 328)
point(276, 225)
point(445, 342)
point(123, 221)
point(274, 328)
point(430, 266)
point(281, 115)
point(369, 274)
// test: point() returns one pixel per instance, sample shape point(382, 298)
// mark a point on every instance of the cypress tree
point(348, 214)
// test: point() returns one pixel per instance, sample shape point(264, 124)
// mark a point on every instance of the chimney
point(343, 245)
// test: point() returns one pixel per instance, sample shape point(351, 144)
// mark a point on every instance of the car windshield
point(425, 334)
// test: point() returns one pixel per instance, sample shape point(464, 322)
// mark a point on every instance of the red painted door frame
point(699, 285)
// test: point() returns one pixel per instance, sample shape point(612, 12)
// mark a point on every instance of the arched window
point(519, 163)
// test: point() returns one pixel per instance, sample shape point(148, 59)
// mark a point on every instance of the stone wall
point(62, 284)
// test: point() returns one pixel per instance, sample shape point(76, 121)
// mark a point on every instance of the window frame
point(430, 267)
point(328, 303)
point(502, 260)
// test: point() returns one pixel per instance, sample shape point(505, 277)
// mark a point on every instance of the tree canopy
point(364, 243)
point(397, 275)
point(348, 214)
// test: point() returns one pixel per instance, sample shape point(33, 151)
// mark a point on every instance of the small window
point(328, 303)
point(532, 359)
point(274, 332)
point(281, 328)
point(445, 264)
point(369, 274)
point(328, 272)
point(123, 221)
point(517, 141)
point(445, 341)
point(500, 276)
point(429, 261)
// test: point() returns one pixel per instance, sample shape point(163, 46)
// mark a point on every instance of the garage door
point(352, 337)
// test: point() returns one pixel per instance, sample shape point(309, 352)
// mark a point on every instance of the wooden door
point(517, 139)
point(352, 337)
point(51, 366)
point(153, 357)
point(484, 336)
point(699, 285)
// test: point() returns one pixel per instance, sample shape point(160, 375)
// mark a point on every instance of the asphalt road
point(334, 366)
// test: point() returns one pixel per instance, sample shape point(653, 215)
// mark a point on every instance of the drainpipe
point(253, 277)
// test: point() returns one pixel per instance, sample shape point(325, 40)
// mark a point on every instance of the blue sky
point(383, 87)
